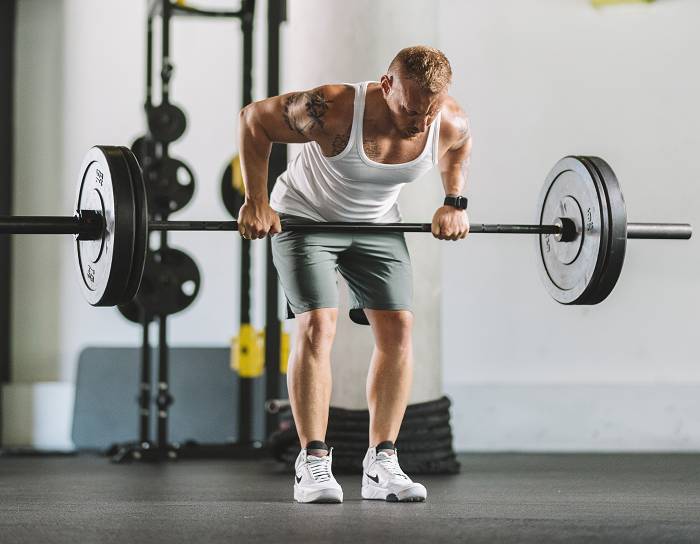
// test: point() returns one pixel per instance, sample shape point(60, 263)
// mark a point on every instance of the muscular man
point(362, 143)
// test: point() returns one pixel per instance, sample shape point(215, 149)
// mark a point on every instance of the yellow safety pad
point(236, 175)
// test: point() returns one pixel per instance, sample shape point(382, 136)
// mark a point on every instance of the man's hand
point(449, 223)
point(257, 221)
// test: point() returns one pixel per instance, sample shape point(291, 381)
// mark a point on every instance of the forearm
point(255, 147)
point(453, 180)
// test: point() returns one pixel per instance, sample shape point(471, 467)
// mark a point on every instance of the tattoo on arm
point(340, 142)
point(304, 111)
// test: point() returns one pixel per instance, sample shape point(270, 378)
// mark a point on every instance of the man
point(362, 143)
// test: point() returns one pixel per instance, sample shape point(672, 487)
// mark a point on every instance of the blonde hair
point(427, 66)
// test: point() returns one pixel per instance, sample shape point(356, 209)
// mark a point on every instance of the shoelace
point(391, 464)
point(320, 468)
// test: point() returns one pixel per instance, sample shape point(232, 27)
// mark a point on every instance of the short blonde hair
point(427, 66)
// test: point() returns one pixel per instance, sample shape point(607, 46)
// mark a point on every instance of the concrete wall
point(342, 54)
point(539, 78)
point(542, 79)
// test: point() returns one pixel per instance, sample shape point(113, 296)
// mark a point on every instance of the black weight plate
point(166, 122)
point(169, 184)
point(570, 270)
point(132, 311)
point(141, 226)
point(617, 224)
point(105, 265)
point(232, 188)
point(170, 282)
point(144, 148)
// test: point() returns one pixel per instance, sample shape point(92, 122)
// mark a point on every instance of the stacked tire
point(424, 442)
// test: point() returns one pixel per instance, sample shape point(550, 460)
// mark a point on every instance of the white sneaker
point(314, 481)
point(383, 479)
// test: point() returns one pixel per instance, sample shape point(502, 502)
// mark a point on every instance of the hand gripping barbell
point(582, 228)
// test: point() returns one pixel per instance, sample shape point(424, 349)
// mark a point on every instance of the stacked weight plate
point(424, 443)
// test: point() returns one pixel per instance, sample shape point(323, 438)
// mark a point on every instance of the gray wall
point(542, 79)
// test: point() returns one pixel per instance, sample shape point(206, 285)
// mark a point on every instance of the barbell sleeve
point(86, 227)
point(659, 231)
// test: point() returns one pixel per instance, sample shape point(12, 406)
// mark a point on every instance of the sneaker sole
point(411, 494)
point(329, 496)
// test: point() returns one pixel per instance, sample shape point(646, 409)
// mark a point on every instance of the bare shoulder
point(319, 110)
point(454, 124)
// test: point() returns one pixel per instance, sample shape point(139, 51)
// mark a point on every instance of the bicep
point(297, 117)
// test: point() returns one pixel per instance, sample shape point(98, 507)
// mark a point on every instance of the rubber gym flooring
point(497, 498)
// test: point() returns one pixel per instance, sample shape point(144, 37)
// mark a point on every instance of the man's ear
point(387, 82)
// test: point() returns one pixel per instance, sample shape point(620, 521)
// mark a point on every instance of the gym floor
point(496, 498)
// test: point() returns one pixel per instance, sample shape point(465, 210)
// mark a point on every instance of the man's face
point(412, 109)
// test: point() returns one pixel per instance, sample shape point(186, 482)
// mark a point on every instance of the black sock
point(316, 446)
point(386, 445)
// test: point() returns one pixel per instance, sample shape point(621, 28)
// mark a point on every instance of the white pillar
point(329, 42)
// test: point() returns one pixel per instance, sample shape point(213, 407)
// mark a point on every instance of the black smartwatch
point(459, 202)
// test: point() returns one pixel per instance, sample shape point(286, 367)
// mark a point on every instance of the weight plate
point(571, 270)
point(617, 220)
point(132, 311)
point(170, 185)
point(170, 282)
point(232, 188)
point(141, 226)
point(166, 122)
point(104, 265)
point(144, 148)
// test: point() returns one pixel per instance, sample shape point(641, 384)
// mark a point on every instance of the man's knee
point(316, 328)
point(392, 329)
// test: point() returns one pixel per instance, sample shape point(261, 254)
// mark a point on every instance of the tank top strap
point(358, 115)
point(436, 138)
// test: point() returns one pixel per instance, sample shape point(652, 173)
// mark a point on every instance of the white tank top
point(349, 186)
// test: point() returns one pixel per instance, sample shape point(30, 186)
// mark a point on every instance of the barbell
point(582, 228)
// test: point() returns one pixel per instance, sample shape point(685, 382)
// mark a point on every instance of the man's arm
point(450, 223)
point(290, 118)
point(455, 161)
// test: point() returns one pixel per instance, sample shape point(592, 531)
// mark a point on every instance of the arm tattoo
point(340, 142)
point(304, 111)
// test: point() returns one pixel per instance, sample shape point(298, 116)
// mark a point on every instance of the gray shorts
point(376, 267)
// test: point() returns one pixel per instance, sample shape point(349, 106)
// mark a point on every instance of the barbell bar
point(91, 228)
point(582, 228)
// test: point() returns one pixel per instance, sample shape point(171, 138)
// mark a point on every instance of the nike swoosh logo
point(375, 478)
point(298, 478)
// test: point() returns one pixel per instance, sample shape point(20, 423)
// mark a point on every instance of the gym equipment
point(582, 228)
point(232, 188)
point(169, 185)
point(143, 147)
point(166, 122)
point(424, 441)
point(170, 282)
